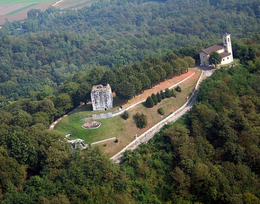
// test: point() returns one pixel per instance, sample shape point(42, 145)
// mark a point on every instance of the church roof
point(213, 48)
point(225, 54)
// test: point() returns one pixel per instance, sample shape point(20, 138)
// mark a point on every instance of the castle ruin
point(101, 97)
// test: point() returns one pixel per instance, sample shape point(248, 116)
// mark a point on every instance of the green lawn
point(124, 130)
point(24, 1)
point(72, 125)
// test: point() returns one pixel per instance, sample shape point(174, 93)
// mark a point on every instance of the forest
point(210, 156)
point(48, 67)
point(52, 45)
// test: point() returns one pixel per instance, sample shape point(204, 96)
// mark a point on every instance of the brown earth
point(170, 105)
point(161, 86)
point(22, 15)
point(8, 8)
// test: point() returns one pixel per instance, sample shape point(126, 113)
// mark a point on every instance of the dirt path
point(147, 135)
point(161, 86)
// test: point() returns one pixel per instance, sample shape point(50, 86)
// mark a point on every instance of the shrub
point(168, 93)
point(173, 93)
point(116, 141)
point(125, 115)
point(149, 102)
point(140, 120)
point(154, 99)
point(178, 89)
point(161, 111)
point(162, 94)
point(159, 97)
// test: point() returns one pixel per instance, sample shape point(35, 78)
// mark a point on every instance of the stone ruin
point(101, 97)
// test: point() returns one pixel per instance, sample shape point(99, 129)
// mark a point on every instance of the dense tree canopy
point(49, 67)
point(215, 58)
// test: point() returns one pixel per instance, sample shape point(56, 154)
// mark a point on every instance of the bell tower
point(227, 43)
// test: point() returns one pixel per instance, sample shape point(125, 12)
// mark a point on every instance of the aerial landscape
point(130, 101)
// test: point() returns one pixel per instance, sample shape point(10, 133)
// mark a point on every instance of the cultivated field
point(125, 130)
point(16, 10)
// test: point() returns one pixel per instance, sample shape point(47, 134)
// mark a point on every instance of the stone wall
point(101, 97)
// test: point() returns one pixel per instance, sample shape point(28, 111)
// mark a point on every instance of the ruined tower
point(101, 97)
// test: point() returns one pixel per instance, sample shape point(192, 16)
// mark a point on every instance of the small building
point(101, 97)
point(225, 50)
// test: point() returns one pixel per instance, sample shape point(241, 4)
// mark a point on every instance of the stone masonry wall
point(101, 97)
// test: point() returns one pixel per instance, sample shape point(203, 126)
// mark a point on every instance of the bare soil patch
point(22, 15)
point(8, 8)
point(161, 86)
point(130, 131)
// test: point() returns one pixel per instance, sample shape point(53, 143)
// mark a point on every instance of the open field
point(21, 9)
point(9, 8)
point(16, 10)
point(124, 130)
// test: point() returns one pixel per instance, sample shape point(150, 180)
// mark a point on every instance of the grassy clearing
point(21, 9)
point(24, 1)
point(124, 130)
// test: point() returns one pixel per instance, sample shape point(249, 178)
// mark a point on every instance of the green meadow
point(124, 130)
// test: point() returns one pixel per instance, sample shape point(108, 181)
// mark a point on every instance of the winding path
point(146, 136)
point(52, 126)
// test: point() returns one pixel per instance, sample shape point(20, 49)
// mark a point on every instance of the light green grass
point(110, 127)
point(21, 9)
point(124, 130)
point(25, 1)
point(72, 125)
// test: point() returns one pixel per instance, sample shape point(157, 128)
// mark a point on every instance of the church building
point(225, 50)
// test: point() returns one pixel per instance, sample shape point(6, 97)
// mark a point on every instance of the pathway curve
point(137, 103)
point(140, 98)
point(146, 136)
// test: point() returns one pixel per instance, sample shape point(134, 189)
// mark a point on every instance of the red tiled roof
point(213, 48)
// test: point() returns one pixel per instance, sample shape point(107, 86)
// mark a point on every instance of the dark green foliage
point(125, 90)
point(215, 58)
point(168, 93)
point(159, 97)
point(140, 120)
point(149, 103)
point(214, 155)
point(162, 94)
point(173, 93)
point(155, 101)
point(161, 111)
point(109, 77)
point(125, 115)
point(43, 74)
point(178, 89)
point(145, 80)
